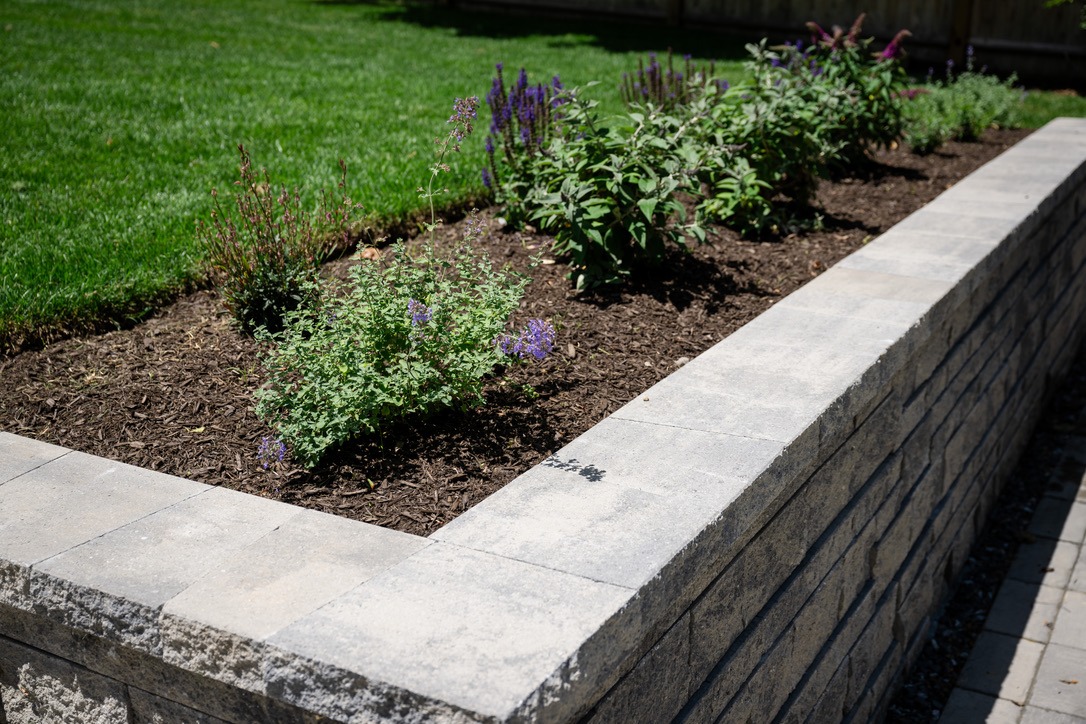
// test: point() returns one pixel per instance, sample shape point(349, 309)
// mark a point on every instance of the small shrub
point(406, 337)
point(959, 107)
point(267, 259)
point(609, 195)
point(867, 111)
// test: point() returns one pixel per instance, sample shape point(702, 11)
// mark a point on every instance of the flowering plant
point(405, 335)
point(960, 106)
point(869, 113)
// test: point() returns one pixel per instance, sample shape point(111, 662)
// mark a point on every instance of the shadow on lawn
point(612, 35)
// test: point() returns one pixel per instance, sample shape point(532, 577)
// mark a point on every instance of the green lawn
point(121, 115)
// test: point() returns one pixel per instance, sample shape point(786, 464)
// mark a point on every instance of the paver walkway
point(1029, 663)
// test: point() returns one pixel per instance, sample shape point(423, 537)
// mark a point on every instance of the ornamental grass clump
point(410, 334)
point(266, 258)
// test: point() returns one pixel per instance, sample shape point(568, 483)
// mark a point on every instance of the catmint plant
point(272, 450)
point(534, 340)
point(961, 106)
point(406, 335)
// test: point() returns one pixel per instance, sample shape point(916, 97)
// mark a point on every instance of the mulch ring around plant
point(175, 393)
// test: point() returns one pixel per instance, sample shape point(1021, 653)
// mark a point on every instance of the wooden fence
point(1043, 44)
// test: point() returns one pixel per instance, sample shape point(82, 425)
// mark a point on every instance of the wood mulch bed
point(174, 393)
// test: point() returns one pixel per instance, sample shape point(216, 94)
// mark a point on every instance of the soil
point(175, 392)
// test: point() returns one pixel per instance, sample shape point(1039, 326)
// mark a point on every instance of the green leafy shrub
point(408, 336)
point(266, 259)
point(609, 194)
point(867, 111)
point(612, 193)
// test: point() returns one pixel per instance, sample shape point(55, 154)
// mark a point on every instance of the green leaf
point(648, 208)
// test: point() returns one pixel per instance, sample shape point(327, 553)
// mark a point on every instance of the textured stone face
point(35, 688)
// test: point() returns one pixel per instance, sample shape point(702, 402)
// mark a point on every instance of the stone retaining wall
point(763, 533)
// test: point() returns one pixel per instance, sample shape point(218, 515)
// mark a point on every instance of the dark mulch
point(174, 393)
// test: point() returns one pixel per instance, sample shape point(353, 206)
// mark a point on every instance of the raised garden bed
point(174, 394)
point(764, 533)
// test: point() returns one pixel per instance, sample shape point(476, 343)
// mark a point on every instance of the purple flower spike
point(271, 450)
point(535, 340)
point(420, 313)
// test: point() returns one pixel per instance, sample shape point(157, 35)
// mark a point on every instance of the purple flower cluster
point(271, 450)
point(464, 113)
point(523, 118)
point(666, 87)
point(535, 340)
point(420, 313)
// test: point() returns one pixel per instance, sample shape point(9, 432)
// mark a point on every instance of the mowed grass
point(120, 116)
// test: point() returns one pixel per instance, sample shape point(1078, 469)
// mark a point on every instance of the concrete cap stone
point(20, 455)
point(120, 580)
point(454, 630)
point(772, 380)
point(945, 221)
point(617, 518)
point(214, 625)
point(922, 255)
point(67, 501)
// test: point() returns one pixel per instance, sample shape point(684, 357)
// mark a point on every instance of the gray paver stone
point(1061, 680)
point(19, 455)
point(1046, 561)
point(116, 583)
point(1036, 715)
point(970, 706)
point(1060, 519)
point(1070, 628)
point(492, 629)
point(1002, 666)
point(620, 502)
point(211, 627)
point(1023, 609)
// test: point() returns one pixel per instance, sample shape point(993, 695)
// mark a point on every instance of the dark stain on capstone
point(588, 472)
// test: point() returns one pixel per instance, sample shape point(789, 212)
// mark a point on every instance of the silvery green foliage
point(407, 335)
